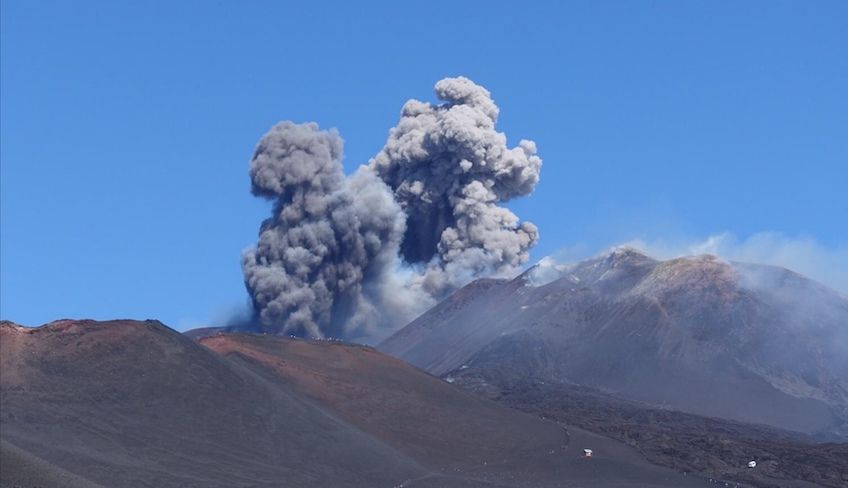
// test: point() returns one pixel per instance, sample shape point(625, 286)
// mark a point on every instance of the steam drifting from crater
point(349, 257)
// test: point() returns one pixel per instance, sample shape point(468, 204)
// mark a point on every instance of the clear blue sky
point(127, 127)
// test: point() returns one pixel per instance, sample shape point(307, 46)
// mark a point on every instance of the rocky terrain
point(675, 373)
point(126, 403)
point(136, 404)
point(21, 469)
point(714, 448)
point(745, 342)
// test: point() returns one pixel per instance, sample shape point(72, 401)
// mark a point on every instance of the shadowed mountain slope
point(714, 448)
point(442, 426)
point(739, 341)
point(20, 469)
point(126, 403)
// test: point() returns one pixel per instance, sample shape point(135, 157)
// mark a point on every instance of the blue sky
point(127, 127)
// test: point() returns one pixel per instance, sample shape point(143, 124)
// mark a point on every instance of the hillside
point(126, 403)
point(739, 341)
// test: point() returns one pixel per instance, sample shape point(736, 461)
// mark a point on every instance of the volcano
point(746, 342)
point(127, 403)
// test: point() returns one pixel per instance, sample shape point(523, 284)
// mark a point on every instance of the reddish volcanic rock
point(125, 403)
point(733, 340)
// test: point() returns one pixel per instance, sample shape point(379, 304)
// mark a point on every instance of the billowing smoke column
point(348, 257)
point(448, 168)
point(327, 237)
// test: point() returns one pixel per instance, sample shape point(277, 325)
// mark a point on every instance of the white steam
point(804, 255)
point(826, 264)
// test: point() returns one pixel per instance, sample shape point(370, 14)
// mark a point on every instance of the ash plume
point(449, 168)
point(327, 235)
point(349, 257)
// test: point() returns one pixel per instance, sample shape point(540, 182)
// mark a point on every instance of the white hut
point(752, 464)
point(587, 452)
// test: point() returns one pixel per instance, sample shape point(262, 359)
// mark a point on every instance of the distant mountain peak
point(742, 341)
point(625, 252)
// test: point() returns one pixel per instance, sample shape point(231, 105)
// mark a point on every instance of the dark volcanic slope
point(20, 469)
point(407, 408)
point(745, 342)
point(715, 448)
point(128, 403)
point(442, 426)
point(137, 404)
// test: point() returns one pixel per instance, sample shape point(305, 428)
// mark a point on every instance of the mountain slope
point(714, 448)
point(444, 427)
point(126, 403)
point(20, 469)
point(739, 341)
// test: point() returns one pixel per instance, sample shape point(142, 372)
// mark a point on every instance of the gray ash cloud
point(354, 256)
